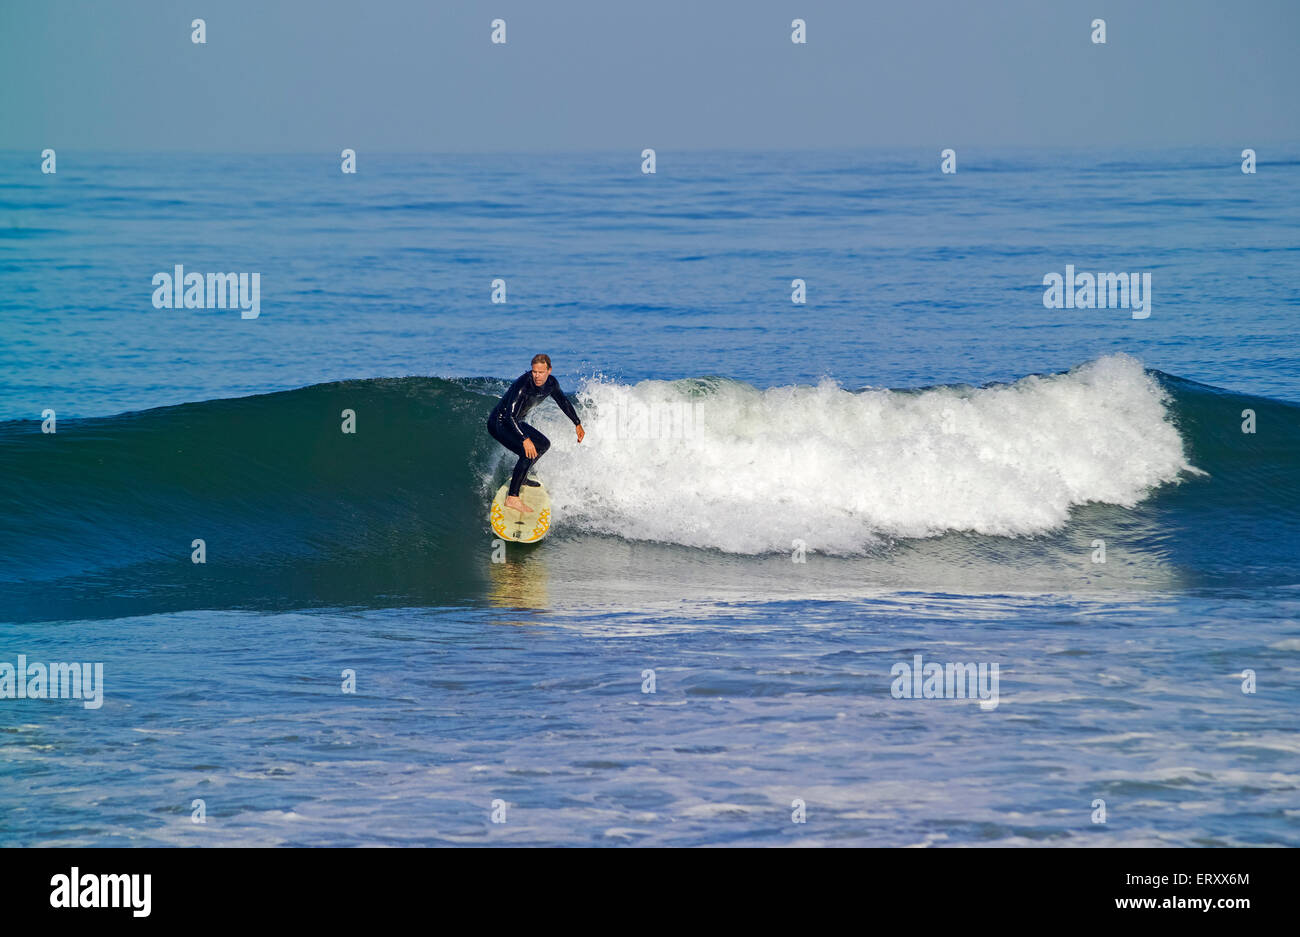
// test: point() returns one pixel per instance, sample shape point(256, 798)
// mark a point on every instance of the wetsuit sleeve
point(558, 396)
point(510, 403)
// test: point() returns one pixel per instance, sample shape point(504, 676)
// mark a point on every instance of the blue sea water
point(920, 460)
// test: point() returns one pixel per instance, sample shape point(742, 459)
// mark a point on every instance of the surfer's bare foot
point(517, 503)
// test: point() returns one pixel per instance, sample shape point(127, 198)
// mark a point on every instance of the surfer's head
point(541, 369)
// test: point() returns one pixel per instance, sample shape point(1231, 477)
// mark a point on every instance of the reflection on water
point(1105, 549)
point(521, 582)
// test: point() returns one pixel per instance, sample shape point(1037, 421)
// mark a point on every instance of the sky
point(423, 75)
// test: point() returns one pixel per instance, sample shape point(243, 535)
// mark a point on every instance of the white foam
point(750, 471)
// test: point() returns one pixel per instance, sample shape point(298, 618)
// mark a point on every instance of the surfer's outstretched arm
point(559, 397)
point(564, 404)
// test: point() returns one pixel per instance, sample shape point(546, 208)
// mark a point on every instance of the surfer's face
point(540, 373)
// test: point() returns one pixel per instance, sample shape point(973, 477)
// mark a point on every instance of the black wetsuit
point(507, 426)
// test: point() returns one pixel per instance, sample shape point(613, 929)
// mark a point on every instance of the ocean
point(784, 514)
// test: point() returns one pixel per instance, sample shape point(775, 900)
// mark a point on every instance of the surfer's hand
point(529, 449)
point(580, 432)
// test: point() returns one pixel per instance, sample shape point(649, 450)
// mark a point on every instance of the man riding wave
point(507, 426)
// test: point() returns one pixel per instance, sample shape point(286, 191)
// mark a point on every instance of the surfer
point(507, 427)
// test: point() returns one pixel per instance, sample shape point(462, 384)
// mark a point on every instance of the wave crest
point(721, 464)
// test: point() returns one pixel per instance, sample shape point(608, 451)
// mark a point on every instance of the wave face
point(99, 519)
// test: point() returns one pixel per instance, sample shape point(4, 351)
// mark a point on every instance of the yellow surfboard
point(522, 528)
